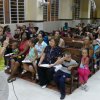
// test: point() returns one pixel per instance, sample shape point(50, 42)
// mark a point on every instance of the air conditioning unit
point(43, 3)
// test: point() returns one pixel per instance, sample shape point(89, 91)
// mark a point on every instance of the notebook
point(44, 65)
point(8, 54)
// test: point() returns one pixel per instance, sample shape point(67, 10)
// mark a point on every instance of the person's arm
point(41, 59)
point(26, 48)
point(59, 61)
point(5, 44)
point(41, 53)
point(73, 66)
point(36, 55)
point(2, 51)
point(61, 43)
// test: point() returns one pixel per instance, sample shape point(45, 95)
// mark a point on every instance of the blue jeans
point(60, 78)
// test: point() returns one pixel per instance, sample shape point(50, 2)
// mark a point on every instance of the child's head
point(32, 42)
point(67, 56)
point(84, 52)
point(14, 45)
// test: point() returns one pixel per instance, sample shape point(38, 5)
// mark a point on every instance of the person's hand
point(39, 64)
point(69, 68)
point(14, 56)
point(5, 43)
point(7, 39)
point(51, 65)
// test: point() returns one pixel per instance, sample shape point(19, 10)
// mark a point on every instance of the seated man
point(64, 72)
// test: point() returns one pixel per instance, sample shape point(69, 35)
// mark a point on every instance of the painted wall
point(32, 10)
point(85, 9)
point(65, 9)
point(98, 8)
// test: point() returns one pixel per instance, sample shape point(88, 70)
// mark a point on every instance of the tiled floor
point(29, 91)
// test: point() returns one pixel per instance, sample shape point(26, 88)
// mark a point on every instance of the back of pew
point(75, 44)
point(76, 53)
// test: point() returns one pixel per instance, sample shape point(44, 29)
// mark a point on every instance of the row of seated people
point(39, 53)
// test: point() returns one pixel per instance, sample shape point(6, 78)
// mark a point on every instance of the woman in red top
point(17, 61)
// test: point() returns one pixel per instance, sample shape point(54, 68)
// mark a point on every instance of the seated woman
point(40, 46)
point(64, 72)
point(31, 57)
point(50, 55)
point(61, 42)
point(16, 63)
point(4, 90)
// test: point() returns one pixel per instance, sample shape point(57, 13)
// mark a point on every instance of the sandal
point(11, 79)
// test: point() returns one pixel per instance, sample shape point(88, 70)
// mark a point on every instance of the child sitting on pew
point(9, 57)
point(15, 52)
point(64, 72)
point(83, 70)
point(29, 63)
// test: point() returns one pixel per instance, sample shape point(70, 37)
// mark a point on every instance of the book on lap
point(26, 61)
point(57, 67)
point(45, 65)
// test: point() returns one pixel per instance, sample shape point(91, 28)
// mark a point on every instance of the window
point(1, 12)
point(54, 10)
point(50, 12)
point(11, 11)
point(76, 9)
point(17, 11)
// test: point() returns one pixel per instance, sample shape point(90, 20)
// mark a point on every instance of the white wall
point(46, 26)
point(65, 9)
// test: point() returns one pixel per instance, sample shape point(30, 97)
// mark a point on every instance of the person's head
point(1, 30)
point(80, 28)
point(24, 27)
point(57, 34)
point(42, 32)
point(6, 29)
point(34, 29)
point(31, 24)
point(18, 30)
point(84, 52)
point(86, 40)
point(32, 42)
point(40, 37)
point(66, 24)
point(14, 45)
point(67, 56)
point(53, 42)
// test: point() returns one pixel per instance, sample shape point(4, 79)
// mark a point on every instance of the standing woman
point(4, 90)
